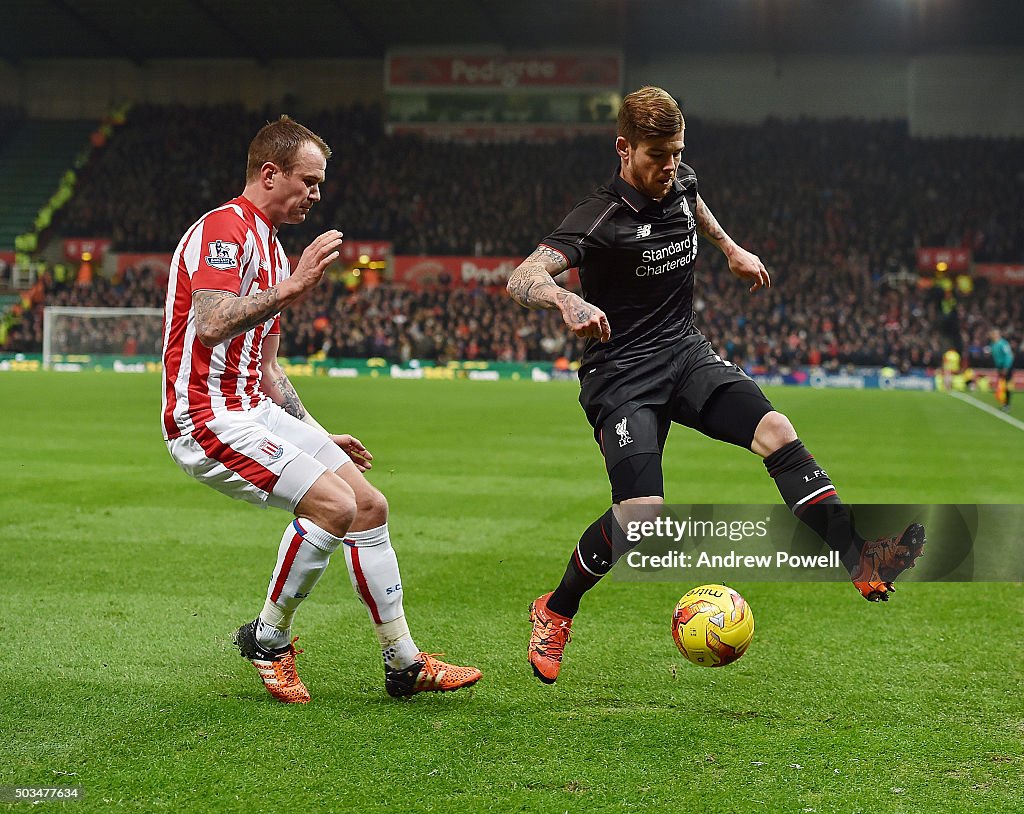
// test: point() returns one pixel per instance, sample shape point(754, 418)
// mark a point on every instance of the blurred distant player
point(950, 367)
point(646, 366)
point(1002, 360)
point(232, 419)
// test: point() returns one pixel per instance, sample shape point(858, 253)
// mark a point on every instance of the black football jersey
point(636, 258)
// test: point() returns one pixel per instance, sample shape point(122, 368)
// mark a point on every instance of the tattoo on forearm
point(292, 404)
point(579, 308)
point(706, 223)
point(224, 315)
point(531, 284)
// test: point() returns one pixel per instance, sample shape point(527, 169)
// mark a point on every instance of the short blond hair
point(279, 143)
point(649, 112)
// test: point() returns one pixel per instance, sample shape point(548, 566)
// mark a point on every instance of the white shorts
point(265, 456)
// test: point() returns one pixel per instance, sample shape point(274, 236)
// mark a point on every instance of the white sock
point(301, 560)
point(270, 637)
point(396, 644)
point(373, 569)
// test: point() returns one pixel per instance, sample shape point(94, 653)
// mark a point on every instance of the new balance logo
point(623, 433)
point(643, 231)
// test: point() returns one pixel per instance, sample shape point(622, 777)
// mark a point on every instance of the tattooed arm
point(745, 265)
point(276, 383)
point(220, 315)
point(532, 286)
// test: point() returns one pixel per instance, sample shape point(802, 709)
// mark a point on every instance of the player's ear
point(267, 173)
point(622, 147)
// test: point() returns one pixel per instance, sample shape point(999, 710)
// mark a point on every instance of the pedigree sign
point(502, 72)
point(462, 271)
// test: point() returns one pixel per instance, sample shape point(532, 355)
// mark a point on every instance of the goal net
point(70, 333)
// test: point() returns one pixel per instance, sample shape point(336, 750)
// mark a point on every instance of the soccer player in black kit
point(647, 366)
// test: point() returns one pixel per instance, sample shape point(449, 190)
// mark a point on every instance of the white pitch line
point(1009, 419)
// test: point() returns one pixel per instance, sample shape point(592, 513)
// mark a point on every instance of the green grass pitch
point(121, 581)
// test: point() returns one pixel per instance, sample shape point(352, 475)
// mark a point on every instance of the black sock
point(811, 496)
point(593, 557)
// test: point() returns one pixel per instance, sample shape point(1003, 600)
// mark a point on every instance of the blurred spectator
point(835, 209)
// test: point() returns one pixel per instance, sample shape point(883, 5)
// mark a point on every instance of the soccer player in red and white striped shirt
point(232, 418)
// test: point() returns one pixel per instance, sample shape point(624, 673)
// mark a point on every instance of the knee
point(340, 510)
point(638, 510)
point(331, 504)
point(773, 432)
point(371, 507)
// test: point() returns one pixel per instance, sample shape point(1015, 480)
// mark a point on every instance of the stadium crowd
point(829, 315)
point(835, 209)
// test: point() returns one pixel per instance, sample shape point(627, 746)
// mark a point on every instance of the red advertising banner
point(504, 72)
point(1000, 273)
point(956, 259)
point(476, 133)
point(146, 260)
point(75, 247)
point(460, 270)
point(352, 250)
point(7, 257)
point(455, 270)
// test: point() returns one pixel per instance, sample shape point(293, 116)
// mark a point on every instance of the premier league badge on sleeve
point(223, 255)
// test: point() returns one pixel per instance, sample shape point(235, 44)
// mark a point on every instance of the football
point(712, 625)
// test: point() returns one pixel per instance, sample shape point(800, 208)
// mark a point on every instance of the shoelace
point(432, 668)
point(553, 630)
point(430, 661)
point(289, 665)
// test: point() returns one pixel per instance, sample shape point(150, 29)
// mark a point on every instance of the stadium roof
point(265, 30)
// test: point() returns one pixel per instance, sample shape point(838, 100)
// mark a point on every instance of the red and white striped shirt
point(232, 248)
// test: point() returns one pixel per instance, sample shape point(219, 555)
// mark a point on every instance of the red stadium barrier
point(1000, 273)
point(405, 269)
point(956, 259)
point(460, 271)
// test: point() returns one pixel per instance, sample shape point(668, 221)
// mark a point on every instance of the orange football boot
point(551, 633)
point(276, 667)
point(429, 674)
point(881, 561)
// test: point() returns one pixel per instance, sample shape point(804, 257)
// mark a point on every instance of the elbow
point(514, 288)
point(208, 337)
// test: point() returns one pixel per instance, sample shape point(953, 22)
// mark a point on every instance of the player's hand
point(316, 258)
point(748, 266)
point(355, 450)
point(583, 319)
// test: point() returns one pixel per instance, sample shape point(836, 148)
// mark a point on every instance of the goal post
point(79, 331)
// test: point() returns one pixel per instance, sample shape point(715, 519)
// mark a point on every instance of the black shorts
point(632, 404)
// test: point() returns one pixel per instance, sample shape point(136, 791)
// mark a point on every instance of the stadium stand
point(33, 157)
point(835, 208)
